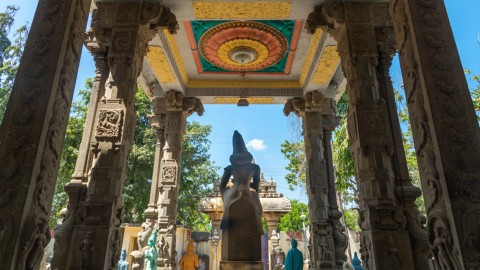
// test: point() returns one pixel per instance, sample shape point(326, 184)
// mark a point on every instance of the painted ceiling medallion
point(243, 46)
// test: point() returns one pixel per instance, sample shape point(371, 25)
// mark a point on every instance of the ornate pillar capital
point(176, 101)
point(157, 118)
point(353, 25)
point(332, 15)
point(152, 16)
point(312, 102)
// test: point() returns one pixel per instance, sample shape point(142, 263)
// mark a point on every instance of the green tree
point(342, 159)
point(475, 92)
point(11, 50)
point(292, 222)
point(294, 152)
point(136, 192)
point(198, 174)
point(351, 219)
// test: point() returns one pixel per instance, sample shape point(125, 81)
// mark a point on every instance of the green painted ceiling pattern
point(286, 27)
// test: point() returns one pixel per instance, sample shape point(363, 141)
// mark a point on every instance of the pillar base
point(388, 250)
point(235, 265)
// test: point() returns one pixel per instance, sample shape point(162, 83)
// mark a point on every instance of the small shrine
point(274, 204)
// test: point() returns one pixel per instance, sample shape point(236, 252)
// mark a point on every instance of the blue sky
point(264, 126)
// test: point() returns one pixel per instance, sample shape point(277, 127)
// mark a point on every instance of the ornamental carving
point(243, 46)
point(169, 174)
point(242, 10)
point(122, 41)
point(109, 124)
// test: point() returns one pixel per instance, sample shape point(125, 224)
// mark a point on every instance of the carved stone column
point(76, 188)
point(177, 109)
point(157, 121)
point(125, 29)
point(330, 122)
point(318, 112)
point(405, 192)
point(33, 129)
point(446, 133)
point(374, 134)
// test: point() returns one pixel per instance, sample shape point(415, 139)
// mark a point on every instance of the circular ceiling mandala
point(243, 46)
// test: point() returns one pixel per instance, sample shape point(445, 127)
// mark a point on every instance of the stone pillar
point(76, 188)
point(272, 219)
point(33, 129)
point(84, 158)
point(214, 250)
point(405, 191)
point(374, 134)
point(125, 29)
point(318, 112)
point(177, 109)
point(445, 130)
point(340, 237)
point(157, 121)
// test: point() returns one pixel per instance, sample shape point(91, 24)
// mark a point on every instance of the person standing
point(294, 260)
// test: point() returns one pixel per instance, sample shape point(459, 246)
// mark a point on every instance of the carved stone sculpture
point(278, 258)
point(137, 260)
point(241, 223)
point(189, 261)
point(123, 264)
point(87, 248)
point(63, 229)
point(151, 254)
point(144, 235)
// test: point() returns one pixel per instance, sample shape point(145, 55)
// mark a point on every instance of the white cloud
point(257, 145)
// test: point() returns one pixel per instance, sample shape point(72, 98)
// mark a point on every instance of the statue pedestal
point(232, 265)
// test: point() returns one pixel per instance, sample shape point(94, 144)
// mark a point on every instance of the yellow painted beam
point(326, 66)
point(242, 10)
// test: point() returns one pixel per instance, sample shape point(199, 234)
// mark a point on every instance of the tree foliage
point(292, 222)
point(197, 170)
point(136, 189)
point(11, 50)
point(294, 152)
point(342, 159)
point(198, 173)
point(475, 92)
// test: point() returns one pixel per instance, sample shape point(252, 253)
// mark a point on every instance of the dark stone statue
point(242, 216)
